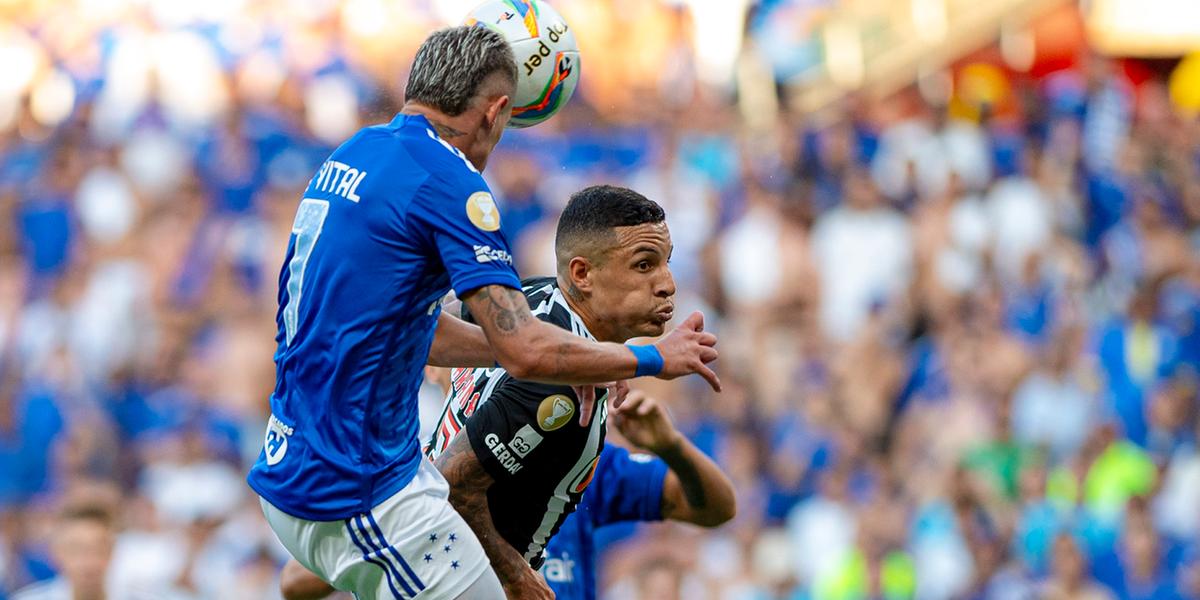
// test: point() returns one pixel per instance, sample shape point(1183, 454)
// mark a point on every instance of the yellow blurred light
point(308, 12)
point(260, 77)
point(1184, 84)
point(844, 53)
point(1144, 27)
point(366, 18)
point(929, 20)
point(20, 58)
point(52, 99)
point(718, 38)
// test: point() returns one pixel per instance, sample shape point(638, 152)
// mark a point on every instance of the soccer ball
point(546, 52)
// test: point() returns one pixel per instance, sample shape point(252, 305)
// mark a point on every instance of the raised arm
point(695, 490)
point(531, 349)
point(469, 484)
point(457, 343)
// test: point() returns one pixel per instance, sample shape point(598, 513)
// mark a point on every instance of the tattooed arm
point(534, 350)
point(457, 343)
point(469, 484)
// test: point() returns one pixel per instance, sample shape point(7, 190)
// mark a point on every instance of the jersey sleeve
point(508, 436)
point(627, 487)
point(461, 220)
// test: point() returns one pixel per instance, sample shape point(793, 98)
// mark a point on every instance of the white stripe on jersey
point(578, 473)
point(452, 149)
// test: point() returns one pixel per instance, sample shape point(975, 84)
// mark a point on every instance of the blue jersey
point(392, 221)
point(626, 487)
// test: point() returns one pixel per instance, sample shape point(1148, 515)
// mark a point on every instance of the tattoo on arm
point(469, 484)
point(503, 307)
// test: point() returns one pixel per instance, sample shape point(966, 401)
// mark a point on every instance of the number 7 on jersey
point(310, 220)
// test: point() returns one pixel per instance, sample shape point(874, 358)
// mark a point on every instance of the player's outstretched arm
point(534, 350)
point(469, 483)
point(298, 583)
point(695, 490)
point(457, 343)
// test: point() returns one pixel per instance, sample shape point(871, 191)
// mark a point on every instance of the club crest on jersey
point(275, 444)
point(554, 412)
point(481, 209)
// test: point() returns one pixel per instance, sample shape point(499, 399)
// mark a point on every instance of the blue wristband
point(649, 360)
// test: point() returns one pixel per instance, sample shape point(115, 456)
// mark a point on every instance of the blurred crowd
point(959, 341)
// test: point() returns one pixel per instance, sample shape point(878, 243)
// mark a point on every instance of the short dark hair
point(595, 211)
point(453, 62)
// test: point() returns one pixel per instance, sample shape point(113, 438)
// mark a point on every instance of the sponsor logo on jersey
point(485, 254)
point(481, 209)
point(506, 458)
point(524, 441)
point(554, 412)
point(559, 569)
point(275, 444)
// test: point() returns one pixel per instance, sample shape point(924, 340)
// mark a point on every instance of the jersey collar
point(402, 120)
point(576, 320)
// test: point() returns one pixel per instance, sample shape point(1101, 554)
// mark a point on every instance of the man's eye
point(643, 266)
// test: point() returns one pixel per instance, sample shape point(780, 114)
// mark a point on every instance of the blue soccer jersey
point(390, 223)
point(626, 487)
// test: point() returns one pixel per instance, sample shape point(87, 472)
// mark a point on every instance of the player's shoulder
point(537, 289)
point(618, 463)
point(547, 302)
point(443, 162)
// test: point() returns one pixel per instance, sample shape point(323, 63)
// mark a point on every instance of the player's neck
point(595, 325)
point(455, 131)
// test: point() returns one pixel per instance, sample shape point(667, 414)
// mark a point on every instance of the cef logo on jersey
point(554, 412)
point(524, 441)
point(275, 444)
point(481, 209)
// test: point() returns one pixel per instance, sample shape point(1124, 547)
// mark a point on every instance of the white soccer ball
point(546, 52)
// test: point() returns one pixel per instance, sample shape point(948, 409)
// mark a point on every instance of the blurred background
point(950, 247)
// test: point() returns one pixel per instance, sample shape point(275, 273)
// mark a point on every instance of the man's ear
point(495, 111)
point(579, 272)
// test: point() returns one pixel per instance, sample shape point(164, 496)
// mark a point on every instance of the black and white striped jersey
point(526, 435)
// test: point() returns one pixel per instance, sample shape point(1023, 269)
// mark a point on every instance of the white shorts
point(413, 545)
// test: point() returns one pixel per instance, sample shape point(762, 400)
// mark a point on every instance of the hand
point(528, 586)
point(687, 349)
point(644, 422)
point(617, 390)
